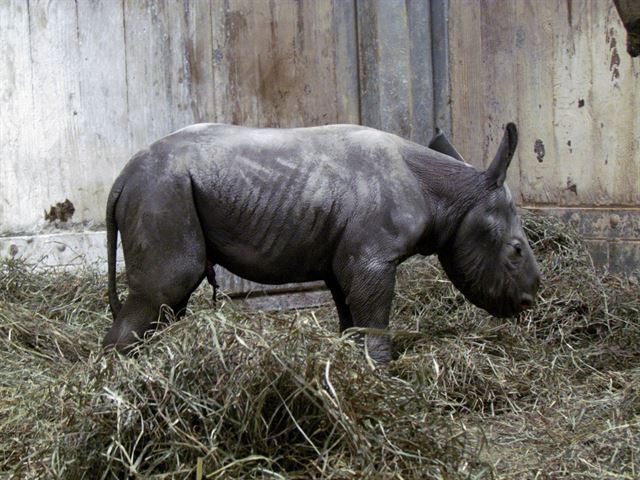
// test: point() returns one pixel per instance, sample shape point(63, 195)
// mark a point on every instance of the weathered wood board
point(285, 63)
point(403, 67)
point(560, 70)
point(86, 84)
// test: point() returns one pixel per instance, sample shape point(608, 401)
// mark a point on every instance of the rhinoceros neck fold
point(450, 188)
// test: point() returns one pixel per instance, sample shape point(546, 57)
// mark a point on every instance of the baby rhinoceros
point(341, 203)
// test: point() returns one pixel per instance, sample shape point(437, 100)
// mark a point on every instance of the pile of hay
point(225, 393)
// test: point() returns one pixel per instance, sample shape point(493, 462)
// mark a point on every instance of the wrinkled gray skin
point(341, 203)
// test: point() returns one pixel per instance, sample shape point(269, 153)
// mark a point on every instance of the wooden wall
point(84, 84)
point(87, 83)
point(560, 70)
point(403, 67)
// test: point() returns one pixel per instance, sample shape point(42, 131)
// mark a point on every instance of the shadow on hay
point(289, 398)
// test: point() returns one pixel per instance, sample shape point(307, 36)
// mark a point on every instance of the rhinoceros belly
point(273, 224)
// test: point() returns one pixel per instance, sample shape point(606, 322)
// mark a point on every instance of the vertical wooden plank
point(296, 71)
point(198, 57)
point(220, 70)
point(440, 61)
point(572, 91)
point(465, 59)
point(16, 119)
point(370, 111)
point(235, 64)
point(396, 74)
point(176, 66)
point(536, 75)
point(102, 114)
point(315, 66)
point(262, 88)
point(147, 49)
point(274, 63)
point(602, 50)
point(49, 171)
point(500, 63)
point(421, 107)
point(393, 46)
point(616, 83)
point(181, 67)
point(277, 82)
point(346, 61)
point(161, 65)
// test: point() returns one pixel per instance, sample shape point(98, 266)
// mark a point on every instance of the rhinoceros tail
point(112, 245)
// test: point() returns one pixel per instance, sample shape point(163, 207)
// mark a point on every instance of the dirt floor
point(226, 393)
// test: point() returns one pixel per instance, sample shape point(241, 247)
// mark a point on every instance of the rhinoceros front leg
point(340, 299)
point(368, 289)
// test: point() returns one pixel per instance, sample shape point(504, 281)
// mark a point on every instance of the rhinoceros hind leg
point(181, 307)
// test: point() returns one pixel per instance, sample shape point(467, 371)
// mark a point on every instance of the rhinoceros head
point(489, 258)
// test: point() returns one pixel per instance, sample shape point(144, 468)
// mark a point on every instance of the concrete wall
point(561, 71)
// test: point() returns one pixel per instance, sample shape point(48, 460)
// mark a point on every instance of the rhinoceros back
point(275, 205)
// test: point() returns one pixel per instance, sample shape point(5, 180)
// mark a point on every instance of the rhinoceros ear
point(497, 171)
point(440, 143)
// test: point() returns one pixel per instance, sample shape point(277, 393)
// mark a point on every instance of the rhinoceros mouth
point(504, 311)
point(506, 307)
point(500, 297)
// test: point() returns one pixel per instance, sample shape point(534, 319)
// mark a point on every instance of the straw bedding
point(227, 393)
